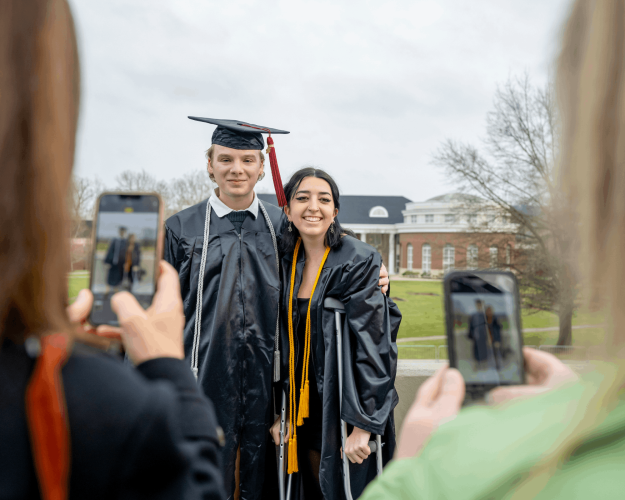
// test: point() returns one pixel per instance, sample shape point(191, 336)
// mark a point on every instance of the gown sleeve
point(170, 251)
point(370, 352)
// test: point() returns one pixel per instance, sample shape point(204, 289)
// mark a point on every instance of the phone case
point(160, 236)
point(476, 392)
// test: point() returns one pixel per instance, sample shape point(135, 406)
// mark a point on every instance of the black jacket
point(350, 274)
point(144, 433)
point(239, 315)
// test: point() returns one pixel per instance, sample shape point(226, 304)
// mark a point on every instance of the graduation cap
point(241, 135)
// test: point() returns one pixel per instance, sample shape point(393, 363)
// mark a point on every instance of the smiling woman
point(333, 263)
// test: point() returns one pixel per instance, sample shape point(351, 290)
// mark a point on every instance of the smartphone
point(126, 249)
point(484, 335)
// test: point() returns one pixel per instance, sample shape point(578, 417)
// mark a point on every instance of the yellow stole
point(304, 389)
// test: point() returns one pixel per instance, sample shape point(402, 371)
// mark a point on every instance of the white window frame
point(449, 257)
point(472, 256)
point(429, 218)
point(378, 211)
point(508, 256)
point(413, 219)
point(494, 257)
point(426, 258)
point(409, 257)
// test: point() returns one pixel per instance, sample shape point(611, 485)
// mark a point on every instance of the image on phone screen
point(486, 330)
point(124, 256)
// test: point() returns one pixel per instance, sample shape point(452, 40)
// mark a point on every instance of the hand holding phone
point(484, 333)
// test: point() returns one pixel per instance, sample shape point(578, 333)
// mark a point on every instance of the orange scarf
point(47, 418)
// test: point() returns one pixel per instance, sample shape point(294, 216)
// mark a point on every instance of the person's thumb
point(128, 310)
point(79, 310)
point(451, 394)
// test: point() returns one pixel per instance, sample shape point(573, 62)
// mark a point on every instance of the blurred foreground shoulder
point(154, 432)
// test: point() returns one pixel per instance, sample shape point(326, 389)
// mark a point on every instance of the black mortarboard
point(241, 135)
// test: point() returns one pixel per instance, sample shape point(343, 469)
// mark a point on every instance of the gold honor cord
point(304, 389)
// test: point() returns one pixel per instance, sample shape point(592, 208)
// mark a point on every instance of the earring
point(332, 227)
point(290, 227)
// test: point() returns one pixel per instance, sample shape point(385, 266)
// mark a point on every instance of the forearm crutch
point(281, 451)
point(375, 446)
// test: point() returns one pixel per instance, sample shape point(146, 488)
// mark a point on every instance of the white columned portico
point(390, 265)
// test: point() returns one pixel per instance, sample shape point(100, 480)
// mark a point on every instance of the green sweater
point(485, 452)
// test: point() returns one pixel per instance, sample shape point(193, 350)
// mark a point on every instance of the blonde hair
point(211, 151)
point(591, 91)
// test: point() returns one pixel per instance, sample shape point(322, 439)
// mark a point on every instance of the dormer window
point(429, 218)
point(378, 212)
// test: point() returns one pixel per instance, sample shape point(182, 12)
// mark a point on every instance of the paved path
point(411, 339)
point(526, 330)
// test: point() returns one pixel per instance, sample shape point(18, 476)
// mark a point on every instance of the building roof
point(454, 198)
point(356, 209)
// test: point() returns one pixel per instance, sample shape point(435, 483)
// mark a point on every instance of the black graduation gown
point(239, 314)
point(351, 275)
point(116, 271)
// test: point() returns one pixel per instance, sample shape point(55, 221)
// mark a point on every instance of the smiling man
point(232, 312)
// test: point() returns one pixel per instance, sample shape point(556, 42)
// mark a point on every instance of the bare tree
point(83, 195)
point(513, 176)
point(191, 188)
point(129, 180)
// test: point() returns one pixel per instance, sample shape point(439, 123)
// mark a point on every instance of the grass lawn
point(422, 309)
point(77, 281)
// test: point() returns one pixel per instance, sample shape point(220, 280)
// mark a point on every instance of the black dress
point(350, 274)
point(309, 435)
point(147, 433)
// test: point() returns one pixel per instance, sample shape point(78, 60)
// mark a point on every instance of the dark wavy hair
point(332, 239)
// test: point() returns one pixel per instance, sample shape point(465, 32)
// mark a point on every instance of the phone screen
point(484, 328)
point(125, 252)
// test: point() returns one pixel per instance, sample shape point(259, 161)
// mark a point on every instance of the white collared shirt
point(221, 209)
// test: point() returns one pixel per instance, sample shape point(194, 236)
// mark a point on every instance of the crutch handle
point(373, 446)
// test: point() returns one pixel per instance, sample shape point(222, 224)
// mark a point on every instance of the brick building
point(430, 237)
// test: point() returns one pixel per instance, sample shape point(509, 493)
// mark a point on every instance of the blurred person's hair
point(591, 95)
point(39, 96)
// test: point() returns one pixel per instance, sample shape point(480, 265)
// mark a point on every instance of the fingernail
point(450, 378)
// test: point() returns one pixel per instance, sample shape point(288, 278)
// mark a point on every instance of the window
point(378, 212)
point(426, 258)
point(508, 256)
point(409, 256)
point(429, 218)
point(449, 257)
point(493, 256)
point(450, 219)
point(472, 257)
point(413, 219)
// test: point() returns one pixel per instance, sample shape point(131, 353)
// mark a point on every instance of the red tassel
point(47, 419)
point(275, 173)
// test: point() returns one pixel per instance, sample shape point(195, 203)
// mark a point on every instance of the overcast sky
point(368, 89)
